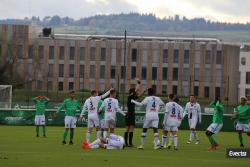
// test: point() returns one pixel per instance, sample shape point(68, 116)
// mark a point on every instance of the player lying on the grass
point(193, 110)
point(172, 120)
point(151, 119)
point(40, 103)
point(90, 108)
point(111, 107)
point(71, 106)
point(111, 142)
point(217, 124)
point(242, 116)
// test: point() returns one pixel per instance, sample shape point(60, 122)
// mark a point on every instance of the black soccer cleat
point(64, 142)
point(71, 143)
point(242, 145)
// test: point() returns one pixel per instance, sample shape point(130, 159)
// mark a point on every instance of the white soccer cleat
point(188, 142)
point(197, 142)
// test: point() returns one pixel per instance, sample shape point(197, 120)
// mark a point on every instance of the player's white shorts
point(70, 122)
point(214, 127)
point(171, 128)
point(115, 143)
point(151, 123)
point(102, 124)
point(40, 120)
point(192, 123)
point(109, 123)
point(93, 121)
point(242, 127)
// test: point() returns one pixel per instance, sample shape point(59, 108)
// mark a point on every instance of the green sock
point(211, 140)
point(65, 134)
point(37, 130)
point(240, 138)
point(44, 131)
point(71, 135)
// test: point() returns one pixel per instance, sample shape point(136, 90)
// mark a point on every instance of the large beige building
point(202, 66)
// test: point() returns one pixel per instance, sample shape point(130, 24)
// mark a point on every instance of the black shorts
point(130, 119)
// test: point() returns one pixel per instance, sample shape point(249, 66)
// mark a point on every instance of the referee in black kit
point(130, 116)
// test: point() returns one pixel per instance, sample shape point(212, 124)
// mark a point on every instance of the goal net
point(5, 96)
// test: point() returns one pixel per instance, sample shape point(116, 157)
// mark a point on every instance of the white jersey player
point(151, 119)
point(112, 142)
point(172, 119)
point(111, 107)
point(90, 107)
point(193, 110)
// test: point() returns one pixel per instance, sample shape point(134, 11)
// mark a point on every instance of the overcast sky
point(216, 10)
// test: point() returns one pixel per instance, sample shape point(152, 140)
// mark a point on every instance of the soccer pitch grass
point(20, 148)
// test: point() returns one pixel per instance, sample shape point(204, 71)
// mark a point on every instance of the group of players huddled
point(100, 112)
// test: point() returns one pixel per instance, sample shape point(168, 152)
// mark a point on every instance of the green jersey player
point(71, 105)
point(217, 124)
point(242, 116)
point(40, 103)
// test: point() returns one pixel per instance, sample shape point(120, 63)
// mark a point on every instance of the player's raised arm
point(106, 94)
point(137, 103)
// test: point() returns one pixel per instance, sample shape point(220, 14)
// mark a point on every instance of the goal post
point(5, 96)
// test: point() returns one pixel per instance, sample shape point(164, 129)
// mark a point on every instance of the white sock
point(163, 139)
point(191, 136)
point(88, 137)
point(196, 136)
point(143, 136)
point(96, 142)
point(105, 133)
point(175, 140)
point(170, 139)
point(156, 139)
point(99, 134)
point(95, 146)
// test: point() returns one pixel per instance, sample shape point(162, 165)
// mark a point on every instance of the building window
point(164, 89)
point(102, 71)
point(144, 73)
point(112, 72)
point(175, 74)
point(196, 74)
point(92, 71)
point(175, 89)
point(92, 54)
point(72, 53)
point(51, 52)
point(50, 85)
point(185, 89)
point(196, 90)
point(217, 91)
point(133, 72)
point(61, 55)
point(185, 74)
point(82, 53)
point(30, 51)
point(103, 54)
point(207, 75)
point(123, 72)
point(154, 73)
point(206, 91)
point(186, 57)
point(176, 56)
point(247, 93)
point(20, 51)
point(39, 85)
point(134, 55)
point(71, 70)
point(60, 85)
point(243, 61)
point(164, 73)
point(61, 70)
point(208, 57)
point(155, 58)
point(218, 57)
point(247, 77)
point(50, 70)
point(41, 52)
point(165, 55)
point(71, 85)
point(81, 71)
